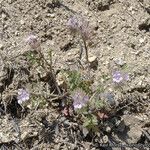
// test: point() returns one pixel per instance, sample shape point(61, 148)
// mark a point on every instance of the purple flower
point(78, 24)
point(80, 99)
point(23, 96)
point(119, 77)
point(73, 23)
point(33, 41)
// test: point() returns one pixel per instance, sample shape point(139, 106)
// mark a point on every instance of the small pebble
point(4, 16)
point(108, 129)
point(141, 40)
point(16, 33)
point(1, 46)
point(105, 139)
point(92, 59)
point(51, 15)
point(93, 62)
point(22, 22)
point(119, 61)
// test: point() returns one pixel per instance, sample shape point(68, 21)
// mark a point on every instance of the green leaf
point(31, 57)
point(75, 81)
point(90, 120)
point(96, 103)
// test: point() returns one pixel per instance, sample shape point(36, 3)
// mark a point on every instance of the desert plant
point(75, 81)
point(36, 55)
point(89, 107)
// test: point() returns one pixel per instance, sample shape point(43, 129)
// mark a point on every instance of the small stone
point(24, 135)
point(145, 97)
point(92, 59)
point(37, 16)
point(61, 80)
point(69, 54)
point(22, 22)
point(108, 129)
point(51, 15)
point(1, 46)
point(93, 62)
point(95, 25)
point(141, 40)
point(5, 26)
point(137, 52)
point(16, 33)
point(105, 139)
point(142, 117)
point(134, 134)
point(4, 16)
point(106, 63)
point(85, 131)
point(119, 61)
point(130, 8)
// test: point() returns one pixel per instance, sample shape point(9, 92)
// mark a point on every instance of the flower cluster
point(80, 99)
point(23, 95)
point(79, 25)
point(119, 77)
point(33, 41)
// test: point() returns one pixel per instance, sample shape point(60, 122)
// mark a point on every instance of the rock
point(134, 134)
point(37, 16)
point(22, 22)
point(85, 131)
point(17, 33)
point(24, 135)
point(119, 61)
point(1, 46)
point(61, 80)
point(105, 139)
point(27, 134)
point(108, 129)
point(93, 62)
point(4, 16)
point(141, 40)
point(51, 15)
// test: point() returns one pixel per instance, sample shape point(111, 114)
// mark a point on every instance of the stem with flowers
point(35, 44)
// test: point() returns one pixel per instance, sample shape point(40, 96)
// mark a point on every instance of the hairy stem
point(51, 69)
point(86, 50)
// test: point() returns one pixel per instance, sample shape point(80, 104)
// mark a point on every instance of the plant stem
point(86, 50)
point(87, 55)
point(81, 50)
point(51, 70)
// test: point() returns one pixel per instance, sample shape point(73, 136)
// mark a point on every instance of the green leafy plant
point(37, 102)
point(90, 108)
point(76, 81)
point(31, 56)
point(90, 121)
